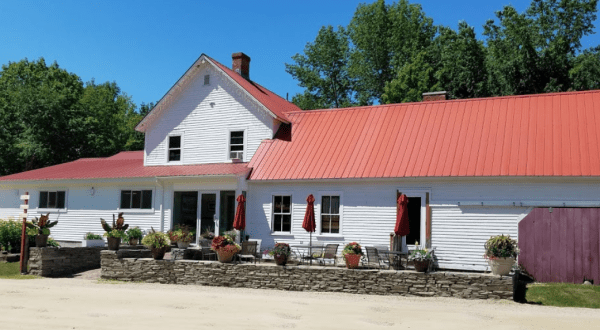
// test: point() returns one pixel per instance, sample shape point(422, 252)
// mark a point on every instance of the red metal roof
point(124, 165)
point(276, 104)
point(533, 135)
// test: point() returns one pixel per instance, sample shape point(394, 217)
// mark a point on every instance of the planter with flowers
point(501, 252)
point(422, 258)
point(280, 252)
point(352, 253)
point(134, 235)
point(42, 227)
point(183, 236)
point(157, 242)
point(225, 247)
point(92, 240)
point(116, 232)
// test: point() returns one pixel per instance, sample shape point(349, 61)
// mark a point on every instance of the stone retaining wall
point(304, 278)
point(62, 261)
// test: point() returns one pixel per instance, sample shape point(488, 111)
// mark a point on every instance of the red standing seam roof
point(556, 134)
point(124, 165)
point(275, 103)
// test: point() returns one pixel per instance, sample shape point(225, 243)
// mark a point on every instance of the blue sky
point(145, 46)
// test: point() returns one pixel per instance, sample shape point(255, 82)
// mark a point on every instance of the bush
point(91, 236)
point(10, 234)
point(52, 242)
point(134, 233)
point(156, 239)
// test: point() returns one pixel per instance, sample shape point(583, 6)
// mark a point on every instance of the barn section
point(561, 244)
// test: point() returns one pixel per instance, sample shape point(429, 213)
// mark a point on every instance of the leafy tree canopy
point(50, 116)
point(394, 52)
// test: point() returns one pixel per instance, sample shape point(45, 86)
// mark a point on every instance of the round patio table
point(301, 248)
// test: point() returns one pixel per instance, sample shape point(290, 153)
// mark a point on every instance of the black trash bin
point(520, 282)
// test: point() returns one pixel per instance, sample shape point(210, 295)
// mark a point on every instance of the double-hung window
point(175, 148)
point(236, 145)
point(52, 200)
point(282, 214)
point(330, 214)
point(136, 199)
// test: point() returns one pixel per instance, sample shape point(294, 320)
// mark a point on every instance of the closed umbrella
point(239, 222)
point(402, 226)
point(309, 220)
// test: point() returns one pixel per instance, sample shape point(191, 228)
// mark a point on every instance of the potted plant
point(501, 252)
point(134, 235)
point(157, 242)
point(183, 236)
point(280, 252)
point(116, 232)
point(421, 258)
point(225, 248)
point(352, 253)
point(42, 226)
point(92, 240)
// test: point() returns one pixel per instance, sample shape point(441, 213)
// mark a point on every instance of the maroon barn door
point(561, 244)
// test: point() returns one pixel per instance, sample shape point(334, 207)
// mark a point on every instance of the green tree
point(532, 52)
point(385, 39)
point(414, 79)
point(49, 117)
point(322, 70)
point(585, 74)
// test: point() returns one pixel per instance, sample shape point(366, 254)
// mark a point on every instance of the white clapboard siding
point(459, 233)
point(9, 203)
point(204, 115)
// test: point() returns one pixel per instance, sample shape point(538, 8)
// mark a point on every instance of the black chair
point(374, 259)
point(207, 253)
point(248, 251)
point(330, 252)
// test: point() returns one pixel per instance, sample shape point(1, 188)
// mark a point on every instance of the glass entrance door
point(185, 209)
point(207, 212)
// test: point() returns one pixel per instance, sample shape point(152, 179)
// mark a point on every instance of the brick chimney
point(434, 96)
point(241, 64)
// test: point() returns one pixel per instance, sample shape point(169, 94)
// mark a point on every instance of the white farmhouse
point(471, 168)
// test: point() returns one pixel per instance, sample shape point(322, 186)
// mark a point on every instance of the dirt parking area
point(83, 302)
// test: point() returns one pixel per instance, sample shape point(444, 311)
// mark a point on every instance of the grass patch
point(564, 295)
point(10, 270)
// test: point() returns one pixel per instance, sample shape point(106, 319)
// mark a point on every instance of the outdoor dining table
point(300, 248)
point(395, 257)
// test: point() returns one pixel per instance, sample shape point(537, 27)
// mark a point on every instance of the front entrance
point(215, 212)
point(185, 210)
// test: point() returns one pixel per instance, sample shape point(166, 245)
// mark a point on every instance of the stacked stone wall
point(304, 278)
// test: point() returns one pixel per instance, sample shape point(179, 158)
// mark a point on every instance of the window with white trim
point(52, 200)
point(330, 214)
point(175, 148)
point(236, 145)
point(136, 199)
point(282, 214)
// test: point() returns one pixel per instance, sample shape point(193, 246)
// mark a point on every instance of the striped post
point(24, 255)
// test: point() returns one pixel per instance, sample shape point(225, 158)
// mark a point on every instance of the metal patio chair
point(248, 251)
point(207, 253)
point(330, 252)
point(373, 258)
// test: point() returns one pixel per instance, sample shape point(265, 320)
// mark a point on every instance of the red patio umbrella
point(402, 227)
point(309, 220)
point(239, 222)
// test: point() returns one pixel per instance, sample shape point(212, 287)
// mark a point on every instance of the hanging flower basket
point(352, 260)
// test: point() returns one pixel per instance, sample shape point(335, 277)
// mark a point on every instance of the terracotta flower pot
point(281, 260)
point(158, 253)
point(41, 240)
point(352, 260)
point(421, 266)
point(225, 256)
point(113, 243)
point(501, 266)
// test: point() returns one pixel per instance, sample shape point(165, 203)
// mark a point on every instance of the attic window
point(207, 79)
point(174, 148)
point(236, 145)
